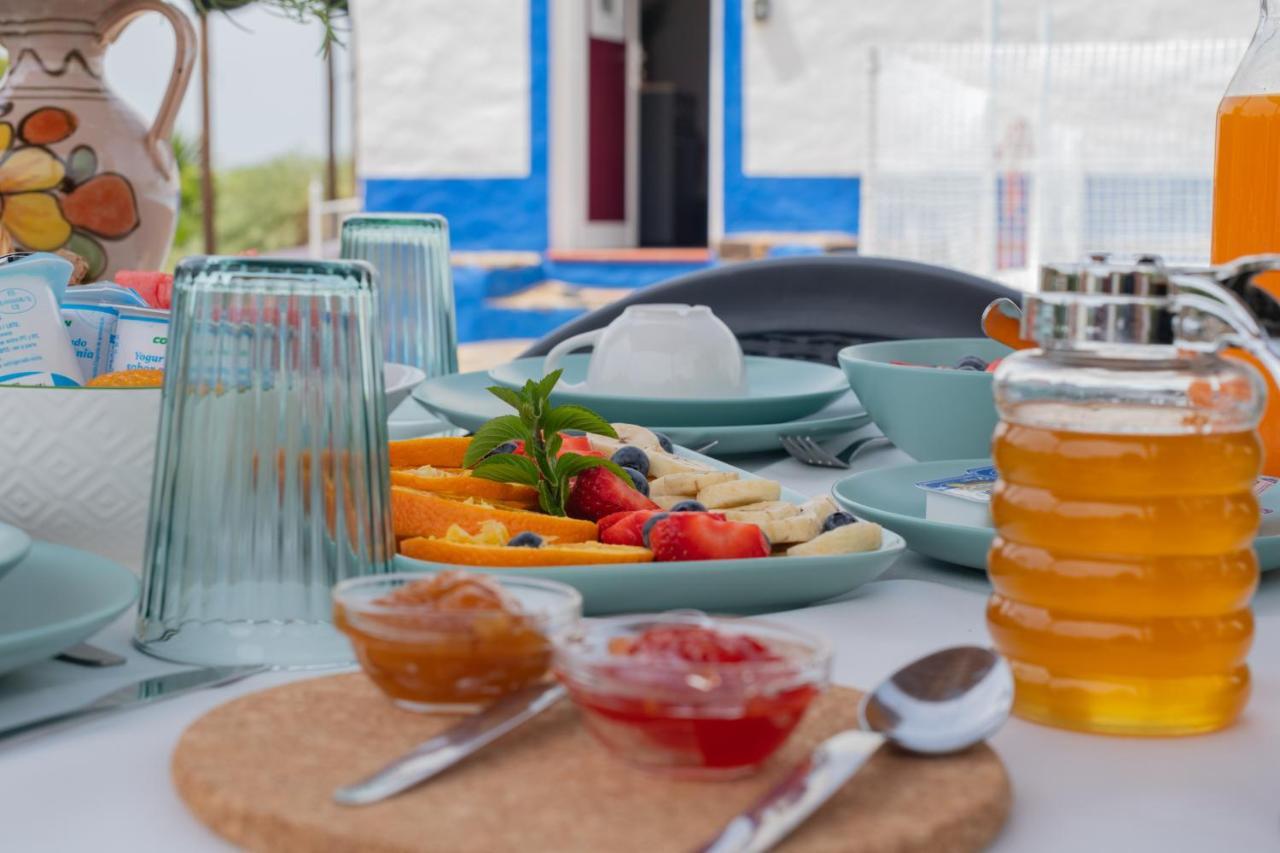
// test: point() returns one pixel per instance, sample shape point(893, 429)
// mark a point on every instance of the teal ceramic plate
point(889, 497)
point(718, 586)
point(778, 390)
point(462, 400)
point(14, 545)
point(58, 597)
point(928, 413)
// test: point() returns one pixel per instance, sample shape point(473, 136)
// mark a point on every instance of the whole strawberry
point(598, 492)
point(702, 536)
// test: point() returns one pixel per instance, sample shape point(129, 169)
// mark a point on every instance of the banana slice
point(662, 464)
point(785, 531)
point(666, 501)
point(603, 444)
point(849, 539)
point(688, 485)
point(637, 435)
point(739, 493)
point(820, 506)
point(762, 511)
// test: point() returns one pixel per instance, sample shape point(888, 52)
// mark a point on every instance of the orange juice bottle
point(1246, 181)
point(1127, 452)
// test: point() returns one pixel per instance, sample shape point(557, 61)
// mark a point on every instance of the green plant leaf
point(573, 464)
point(497, 431)
point(551, 500)
point(507, 395)
point(547, 383)
point(554, 443)
point(577, 417)
point(508, 468)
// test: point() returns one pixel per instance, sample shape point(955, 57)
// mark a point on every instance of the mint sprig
point(538, 424)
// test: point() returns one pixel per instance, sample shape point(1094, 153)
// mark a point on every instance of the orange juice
point(1123, 566)
point(1246, 212)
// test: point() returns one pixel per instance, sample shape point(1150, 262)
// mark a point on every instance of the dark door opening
point(675, 36)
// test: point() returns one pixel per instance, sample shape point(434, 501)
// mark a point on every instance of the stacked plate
point(783, 397)
point(52, 597)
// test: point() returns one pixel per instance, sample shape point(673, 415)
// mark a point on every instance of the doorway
point(675, 40)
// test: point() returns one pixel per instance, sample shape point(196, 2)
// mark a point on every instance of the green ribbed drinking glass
point(271, 477)
point(415, 285)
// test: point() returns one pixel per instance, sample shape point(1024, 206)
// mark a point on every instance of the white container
point(75, 466)
point(92, 329)
point(142, 335)
point(35, 348)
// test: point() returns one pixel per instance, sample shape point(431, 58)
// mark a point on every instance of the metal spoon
point(945, 702)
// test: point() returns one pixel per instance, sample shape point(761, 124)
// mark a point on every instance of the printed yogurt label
point(142, 335)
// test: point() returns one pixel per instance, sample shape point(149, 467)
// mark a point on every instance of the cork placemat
point(260, 771)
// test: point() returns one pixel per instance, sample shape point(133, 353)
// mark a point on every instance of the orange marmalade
point(1123, 566)
point(452, 641)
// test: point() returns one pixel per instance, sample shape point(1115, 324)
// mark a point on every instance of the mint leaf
point(577, 417)
point(507, 395)
point(494, 433)
point(573, 464)
point(508, 468)
point(547, 383)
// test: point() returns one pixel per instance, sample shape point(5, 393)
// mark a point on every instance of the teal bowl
point(929, 413)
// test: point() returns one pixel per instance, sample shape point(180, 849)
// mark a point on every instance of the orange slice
point(463, 485)
point(552, 554)
point(142, 378)
point(438, 452)
point(415, 513)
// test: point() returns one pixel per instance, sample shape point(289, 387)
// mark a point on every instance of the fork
point(806, 450)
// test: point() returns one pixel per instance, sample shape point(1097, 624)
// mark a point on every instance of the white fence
point(997, 158)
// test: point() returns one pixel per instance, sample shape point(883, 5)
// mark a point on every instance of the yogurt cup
point(35, 348)
point(142, 334)
point(92, 329)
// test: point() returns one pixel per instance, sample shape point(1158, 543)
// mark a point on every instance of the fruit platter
point(619, 512)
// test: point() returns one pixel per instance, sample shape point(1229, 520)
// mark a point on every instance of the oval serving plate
point(14, 545)
point(778, 389)
point(888, 496)
point(720, 586)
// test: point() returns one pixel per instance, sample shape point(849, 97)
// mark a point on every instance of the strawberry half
point(625, 528)
point(701, 536)
point(598, 492)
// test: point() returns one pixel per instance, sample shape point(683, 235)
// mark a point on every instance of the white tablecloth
point(105, 786)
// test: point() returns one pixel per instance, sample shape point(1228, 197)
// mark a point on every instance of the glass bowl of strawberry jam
point(689, 694)
point(453, 641)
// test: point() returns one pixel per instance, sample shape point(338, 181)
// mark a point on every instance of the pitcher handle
point(568, 345)
point(113, 23)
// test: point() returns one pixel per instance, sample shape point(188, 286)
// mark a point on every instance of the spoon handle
point(800, 793)
point(441, 752)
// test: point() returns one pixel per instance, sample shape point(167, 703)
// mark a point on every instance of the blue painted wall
point(772, 203)
point(487, 213)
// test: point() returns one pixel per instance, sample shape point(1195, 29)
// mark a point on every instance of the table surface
point(104, 785)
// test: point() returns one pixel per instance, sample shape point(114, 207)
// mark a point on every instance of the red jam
point(733, 722)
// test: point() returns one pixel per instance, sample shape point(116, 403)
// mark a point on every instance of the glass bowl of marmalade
point(692, 695)
point(453, 641)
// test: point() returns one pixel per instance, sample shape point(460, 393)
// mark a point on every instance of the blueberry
point(528, 539)
point(505, 447)
point(641, 484)
point(837, 519)
point(664, 442)
point(632, 457)
point(971, 362)
point(689, 506)
point(648, 525)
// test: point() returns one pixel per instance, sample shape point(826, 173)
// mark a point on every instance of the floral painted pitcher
point(79, 169)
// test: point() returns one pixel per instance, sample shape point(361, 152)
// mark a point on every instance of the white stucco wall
point(805, 68)
point(443, 88)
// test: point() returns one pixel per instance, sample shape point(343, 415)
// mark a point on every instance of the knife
point(434, 756)
point(144, 692)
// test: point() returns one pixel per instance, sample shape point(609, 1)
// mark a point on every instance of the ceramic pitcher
point(79, 169)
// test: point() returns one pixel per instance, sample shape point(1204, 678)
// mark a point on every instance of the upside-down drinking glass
point(415, 285)
point(271, 464)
